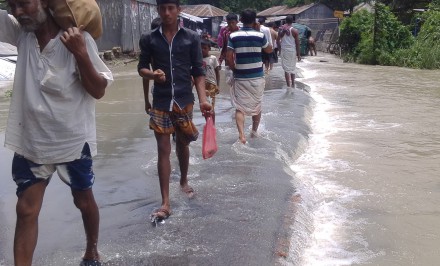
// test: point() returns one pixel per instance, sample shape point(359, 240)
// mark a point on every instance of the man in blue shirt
point(244, 59)
point(175, 55)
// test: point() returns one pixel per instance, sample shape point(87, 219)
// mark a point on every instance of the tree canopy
point(2, 4)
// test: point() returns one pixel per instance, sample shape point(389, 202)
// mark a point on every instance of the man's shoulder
point(145, 36)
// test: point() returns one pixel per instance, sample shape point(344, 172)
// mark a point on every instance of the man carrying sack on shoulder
point(51, 124)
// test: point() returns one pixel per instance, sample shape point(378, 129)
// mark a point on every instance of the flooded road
point(237, 217)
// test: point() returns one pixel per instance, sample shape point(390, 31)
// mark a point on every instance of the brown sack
point(73, 13)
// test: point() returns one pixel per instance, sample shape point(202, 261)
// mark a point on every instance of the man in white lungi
point(244, 58)
point(289, 49)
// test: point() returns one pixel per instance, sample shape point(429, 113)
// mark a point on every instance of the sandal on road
point(160, 214)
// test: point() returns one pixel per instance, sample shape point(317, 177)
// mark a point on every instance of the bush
point(352, 29)
point(425, 52)
point(374, 38)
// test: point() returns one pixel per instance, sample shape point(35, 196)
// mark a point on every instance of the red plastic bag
point(209, 144)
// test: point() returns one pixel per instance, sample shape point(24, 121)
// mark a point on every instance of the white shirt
point(266, 31)
point(288, 41)
point(51, 115)
point(210, 63)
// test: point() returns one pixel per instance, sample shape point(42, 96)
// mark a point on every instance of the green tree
point(3, 4)
point(374, 38)
point(404, 9)
point(352, 30)
point(425, 53)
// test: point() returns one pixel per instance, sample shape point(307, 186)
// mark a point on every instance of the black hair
point(231, 16)
point(205, 42)
point(248, 16)
point(289, 19)
point(262, 20)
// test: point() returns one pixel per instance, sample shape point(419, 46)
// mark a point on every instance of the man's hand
point(205, 108)
point(147, 106)
point(159, 76)
point(74, 40)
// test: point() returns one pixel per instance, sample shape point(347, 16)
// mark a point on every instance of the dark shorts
point(274, 58)
point(265, 57)
point(178, 120)
point(269, 58)
point(78, 174)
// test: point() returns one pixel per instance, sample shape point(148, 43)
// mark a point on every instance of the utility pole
point(375, 32)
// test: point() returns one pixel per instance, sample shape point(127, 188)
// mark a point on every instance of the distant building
point(212, 16)
point(305, 12)
point(368, 6)
point(190, 21)
point(124, 21)
point(319, 18)
point(316, 16)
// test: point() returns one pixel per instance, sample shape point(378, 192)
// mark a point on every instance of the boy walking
point(212, 70)
point(175, 55)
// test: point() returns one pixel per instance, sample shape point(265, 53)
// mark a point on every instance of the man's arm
point(91, 80)
point(297, 44)
point(267, 47)
point(217, 75)
point(220, 38)
point(230, 58)
point(9, 29)
point(279, 43)
point(144, 62)
point(217, 68)
point(146, 87)
point(205, 106)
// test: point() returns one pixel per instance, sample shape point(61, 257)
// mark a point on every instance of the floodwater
point(369, 177)
point(345, 172)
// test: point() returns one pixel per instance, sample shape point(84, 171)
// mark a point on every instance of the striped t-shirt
point(247, 44)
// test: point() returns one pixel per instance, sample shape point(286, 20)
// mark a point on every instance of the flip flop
point(85, 262)
point(155, 216)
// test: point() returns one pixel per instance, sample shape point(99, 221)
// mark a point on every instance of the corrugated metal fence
point(124, 21)
point(325, 32)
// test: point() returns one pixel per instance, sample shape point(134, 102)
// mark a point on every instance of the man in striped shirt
point(244, 59)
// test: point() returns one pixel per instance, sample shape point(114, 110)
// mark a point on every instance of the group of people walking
point(51, 124)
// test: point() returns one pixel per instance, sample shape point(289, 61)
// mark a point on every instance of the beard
point(30, 24)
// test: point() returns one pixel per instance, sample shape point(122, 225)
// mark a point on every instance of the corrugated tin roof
point(191, 17)
point(284, 10)
point(206, 11)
